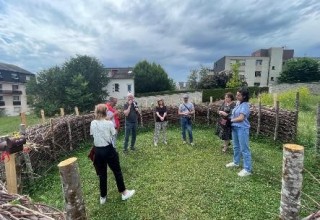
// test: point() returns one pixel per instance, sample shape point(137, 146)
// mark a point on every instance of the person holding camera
point(185, 111)
point(131, 112)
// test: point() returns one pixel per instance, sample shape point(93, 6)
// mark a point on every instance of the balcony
point(10, 92)
point(16, 103)
point(2, 103)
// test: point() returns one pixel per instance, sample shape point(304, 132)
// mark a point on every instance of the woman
point(105, 154)
point(240, 133)
point(161, 122)
point(224, 125)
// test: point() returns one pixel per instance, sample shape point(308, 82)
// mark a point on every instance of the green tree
point(300, 70)
point(235, 81)
point(214, 80)
point(193, 79)
point(151, 77)
point(78, 82)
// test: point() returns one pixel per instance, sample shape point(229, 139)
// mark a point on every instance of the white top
point(102, 131)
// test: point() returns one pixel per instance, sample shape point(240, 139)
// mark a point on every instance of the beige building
point(13, 98)
point(262, 68)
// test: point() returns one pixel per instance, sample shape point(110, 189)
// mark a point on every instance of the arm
point(127, 110)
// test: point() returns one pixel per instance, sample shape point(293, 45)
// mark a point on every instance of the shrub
point(163, 93)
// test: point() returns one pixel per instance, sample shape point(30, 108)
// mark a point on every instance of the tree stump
point(70, 178)
point(291, 181)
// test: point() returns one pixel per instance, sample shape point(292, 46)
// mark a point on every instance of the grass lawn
point(182, 182)
point(9, 124)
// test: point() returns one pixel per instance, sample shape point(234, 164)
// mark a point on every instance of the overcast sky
point(180, 35)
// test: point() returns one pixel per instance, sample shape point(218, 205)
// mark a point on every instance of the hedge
point(163, 93)
point(218, 94)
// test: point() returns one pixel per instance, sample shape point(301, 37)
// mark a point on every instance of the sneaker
point(155, 144)
point(125, 151)
point(184, 142)
point(129, 194)
point(244, 173)
point(103, 200)
point(192, 144)
point(165, 143)
point(232, 164)
point(133, 148)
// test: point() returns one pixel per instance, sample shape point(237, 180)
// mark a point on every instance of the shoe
point(125, 151)
point(165, 143)
point(103, 200)
point(184, 142)
point(129, 194)
point(244, 173)
point(232, 164)
point(133, 148)
point(225, 148)
point(155, 144)
point(192, 144)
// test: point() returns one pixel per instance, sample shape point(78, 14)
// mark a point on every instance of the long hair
point(159, 102)
point(100, 111)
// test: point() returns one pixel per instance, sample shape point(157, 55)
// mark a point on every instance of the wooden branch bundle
point(14, 206)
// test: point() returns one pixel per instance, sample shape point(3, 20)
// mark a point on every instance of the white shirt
point(102, 131)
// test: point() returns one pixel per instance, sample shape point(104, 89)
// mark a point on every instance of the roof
point(13, 68)
point(120, 73)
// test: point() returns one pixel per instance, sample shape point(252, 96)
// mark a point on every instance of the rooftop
point(13, 68)
point(120, 72)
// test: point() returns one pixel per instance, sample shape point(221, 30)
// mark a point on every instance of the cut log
point(70, 178)
point(292, 168)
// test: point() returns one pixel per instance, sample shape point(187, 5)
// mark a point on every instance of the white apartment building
point(262, 68)
point(13, 98)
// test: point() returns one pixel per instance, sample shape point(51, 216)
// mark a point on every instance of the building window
point(241, 77)
point(27, 78)
point(272, 78)
point(15, 87)
point(1, 98)
point(257, 73)
point(1, 77)
point(129, 87)
point(116, 87)
point(14, 76)
point(0, 86)
point(258, 62)
point(256, 84)
point(273, 68)
point(17, 109)
point(16, 98)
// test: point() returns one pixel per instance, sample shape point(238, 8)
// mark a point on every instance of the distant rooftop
point(13, 68)
point(120, 72)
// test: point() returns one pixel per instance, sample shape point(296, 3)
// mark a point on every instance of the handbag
point(223, 122)
point(91, 154)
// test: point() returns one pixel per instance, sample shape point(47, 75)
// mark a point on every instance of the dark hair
point(112, 99)
point(245, 94)
point(159, 101)
point(229, 95)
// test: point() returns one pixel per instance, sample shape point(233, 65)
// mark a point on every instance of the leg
point(164, 130)
point(100, 164)
point(134, 134)
point(245, 148)
point(189, 128)
point(236, 146)
point(114, 164)
point(157, 128)
point(183, 127)
point(127, 134)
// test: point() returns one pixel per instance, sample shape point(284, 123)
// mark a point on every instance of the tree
point(78, 82)
point(235, 81)
point(193, 79)
point(300, 70)
point(151, 77)
point(215, 80)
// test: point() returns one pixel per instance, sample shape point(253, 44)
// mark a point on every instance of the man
point(131, 112)
point(113, 115)
point(185, 111)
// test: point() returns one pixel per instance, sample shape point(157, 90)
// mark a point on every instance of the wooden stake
point(42, 116)
point(208, 115)
point(317, 144)
point(76, 111)
point(259, 116)
point(61, 112)
point(23, 118)
point(70, 135)
point(297, 115)
point(276, 129)
point(11, 174)
point(292, 168)
point(71, 186)
point(275, 99)
point(210, 99)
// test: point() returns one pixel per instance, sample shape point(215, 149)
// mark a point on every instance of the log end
point(293, 147)
point(67, 162)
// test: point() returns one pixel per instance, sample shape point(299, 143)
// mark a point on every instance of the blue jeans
point(130, 128)
point(186, 125)
point(240, 138)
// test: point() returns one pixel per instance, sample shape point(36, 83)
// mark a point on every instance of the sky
point(178, 35)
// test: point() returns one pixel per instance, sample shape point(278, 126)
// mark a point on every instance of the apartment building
point(262, 68)
point(13, 98)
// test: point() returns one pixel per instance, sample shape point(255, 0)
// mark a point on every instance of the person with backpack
point(185, 111)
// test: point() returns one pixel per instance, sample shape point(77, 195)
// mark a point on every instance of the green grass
point(182, 182)
point(10, 124)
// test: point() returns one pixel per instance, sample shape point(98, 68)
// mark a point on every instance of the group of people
point(233, 124)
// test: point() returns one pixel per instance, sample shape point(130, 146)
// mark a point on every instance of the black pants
point(108, 156)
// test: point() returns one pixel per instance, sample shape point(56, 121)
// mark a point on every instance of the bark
point(70, 178)
point(292, 168)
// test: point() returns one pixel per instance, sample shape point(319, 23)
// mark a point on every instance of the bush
point(218, 94)
point(163, 93)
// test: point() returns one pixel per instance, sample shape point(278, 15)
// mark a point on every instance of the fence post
point(208, 114)
point(11, 174)
point(276, 129)
point(23, 118)
point(275, 99)
point(317, 145)
point(210, 99)
point(297, 105)
point(61, 112)
point(76, 111)
point(259, 116)
point(292, 168)
point(70, 135)
point(42, 116)
point(71, 186)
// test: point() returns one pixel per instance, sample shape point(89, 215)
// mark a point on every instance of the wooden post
point(275, 99)
point(71, 186)
point(11, 174)
point(42, 116)
point(70, 135)
point(76, 111)
point(208, 114)
point(52, 130)
point(23, 118)
point(61, 112)
point(171, 101)
point(146, 103)
point(210, 99)
point(22, 129)
point(259, 116)
point(292, 168)
point(297, 115)
point(317, 145)
point(84, 128)
point(276, 129)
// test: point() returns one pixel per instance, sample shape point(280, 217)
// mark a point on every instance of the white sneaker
point(165, 143)
point(192, 144)
point(103, 200)
point(155, 144)
point(129, 194)
point(244, 173)
point(184, 142)
point(232, 164)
